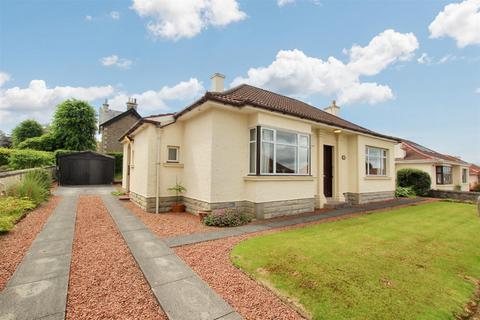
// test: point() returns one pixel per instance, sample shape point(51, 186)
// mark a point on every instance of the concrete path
point(38, 288)
point(231, 232)
point(182, 294)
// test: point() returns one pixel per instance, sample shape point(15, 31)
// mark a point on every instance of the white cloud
point(424, 59)
point(460, 21)
point(154, 101)
point(114, 60)
point(281, 3)
point(295, 73)
point(173, 19)
point(4, 77)
point(478, 90)
point(88, 18)
point(449, 58)
point(115, 15)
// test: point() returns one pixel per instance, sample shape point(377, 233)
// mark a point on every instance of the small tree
point(418, 180)
point(178, 189)
point(74, 125)
point(26, 129)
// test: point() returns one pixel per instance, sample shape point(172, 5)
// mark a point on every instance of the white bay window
point(375, 161)
point(279, 153)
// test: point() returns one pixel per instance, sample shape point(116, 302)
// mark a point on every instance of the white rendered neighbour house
point(258, 151)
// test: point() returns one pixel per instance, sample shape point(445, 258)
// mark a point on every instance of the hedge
point(24, 159)
point(118, 161)
point(418, 180)
point(4, 155)
point(44, 142)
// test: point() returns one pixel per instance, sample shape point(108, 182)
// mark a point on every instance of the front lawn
point(418, 262)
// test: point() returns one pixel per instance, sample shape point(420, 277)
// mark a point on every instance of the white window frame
point(177, 149)
point(297, 148)
point(254, 142)
point(383, 156)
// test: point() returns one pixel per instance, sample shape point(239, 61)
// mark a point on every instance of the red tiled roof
point(244, 95)
point(474, 170)
point(415, 151)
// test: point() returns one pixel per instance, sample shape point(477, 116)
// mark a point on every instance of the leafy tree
point(74, 125)
point(45, 142)
point(26, 129)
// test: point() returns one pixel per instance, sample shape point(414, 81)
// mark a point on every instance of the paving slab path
point(38, 288)
point(182, 294)
point(182, 240)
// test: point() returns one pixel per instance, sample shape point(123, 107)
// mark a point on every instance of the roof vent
point(333, 109)
point(218, 80)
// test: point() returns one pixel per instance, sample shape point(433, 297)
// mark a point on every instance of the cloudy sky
point(406, 68)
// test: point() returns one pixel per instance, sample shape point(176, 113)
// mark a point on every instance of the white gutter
point(157, 171)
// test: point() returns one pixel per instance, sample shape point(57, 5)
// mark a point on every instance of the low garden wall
point(456, 195)
point(10, 177)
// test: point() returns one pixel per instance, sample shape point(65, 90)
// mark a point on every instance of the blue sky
point(403, 68)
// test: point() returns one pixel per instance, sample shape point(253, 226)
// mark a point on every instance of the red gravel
point(211, 260)
point(14, 245)
point(105, 281)
point(169, 224)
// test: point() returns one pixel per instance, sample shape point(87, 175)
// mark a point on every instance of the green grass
point(11, 210)
point(418, 262)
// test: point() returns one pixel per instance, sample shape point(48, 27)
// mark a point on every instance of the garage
point(85, 168)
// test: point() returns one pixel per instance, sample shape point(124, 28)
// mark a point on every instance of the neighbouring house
point(474, 175)
point(446, 172)
point(114, 123)
point(257, 151)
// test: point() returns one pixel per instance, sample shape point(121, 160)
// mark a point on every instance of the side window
point(173, 154)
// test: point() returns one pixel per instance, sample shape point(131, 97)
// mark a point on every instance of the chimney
point(333, 109)
point(105, 105)
point(132, 103)
point(217, 82)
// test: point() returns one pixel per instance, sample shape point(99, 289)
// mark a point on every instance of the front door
point(327, 171)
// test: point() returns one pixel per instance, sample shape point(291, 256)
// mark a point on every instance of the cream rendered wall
point(171, 173)
point(197, 155)
point(353, 164)
point(375, 184)
point(142, 165)
point(125, 164)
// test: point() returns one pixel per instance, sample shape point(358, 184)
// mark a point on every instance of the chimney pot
point(132, 103)
point(218, 80)
point(105, 105)
point(333, 109)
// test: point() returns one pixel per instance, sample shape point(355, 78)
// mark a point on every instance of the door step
point(335, 204)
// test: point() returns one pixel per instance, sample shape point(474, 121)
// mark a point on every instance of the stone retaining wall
point(274, 209)
point(10, 177)
point(361, 198)
point(457, 195)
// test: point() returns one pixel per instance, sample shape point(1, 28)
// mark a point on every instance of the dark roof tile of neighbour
point(244, 95)
point(119, 116)
point(415, 151)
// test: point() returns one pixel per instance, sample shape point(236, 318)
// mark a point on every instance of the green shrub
point(24, 159)
point(35, 185)
point(11, 210)
point(404, 192)
point(229, 217)
point(45, 142)
point(418, 180)
point(4, 156)
point(118, 161)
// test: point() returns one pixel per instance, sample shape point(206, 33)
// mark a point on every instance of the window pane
point(253, 134)
point(303, 141)
point(303, 165)
point(266, 161)
point(286, 137)
point(267, 135)
point(286, 159)
point(253, 147)
point(172, 154)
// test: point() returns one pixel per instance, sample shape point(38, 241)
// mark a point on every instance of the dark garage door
point(85, 168)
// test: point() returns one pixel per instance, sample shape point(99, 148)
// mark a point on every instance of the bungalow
point(257, 151)
point(446, 172)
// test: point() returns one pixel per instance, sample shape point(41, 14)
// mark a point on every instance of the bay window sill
point(278, 178)
point(377, 178)
point(173, 164)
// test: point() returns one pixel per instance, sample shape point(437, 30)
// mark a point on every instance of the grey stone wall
point(360, 198)
point(148, 204)
point(112, 132)
point(274, 209)
point(11, 177)
point(456, 195)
